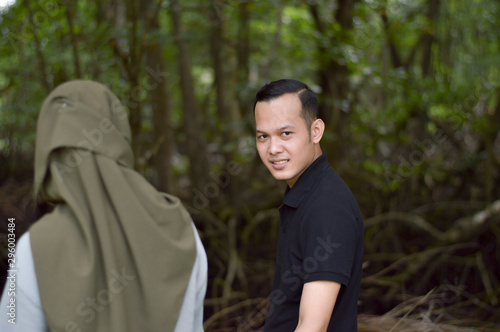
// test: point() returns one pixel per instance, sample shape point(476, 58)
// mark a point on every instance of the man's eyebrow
point(285, 127)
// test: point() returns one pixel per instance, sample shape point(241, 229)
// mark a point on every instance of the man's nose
point(275, 146)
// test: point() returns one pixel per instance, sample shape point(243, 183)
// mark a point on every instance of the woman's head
point(83, 118)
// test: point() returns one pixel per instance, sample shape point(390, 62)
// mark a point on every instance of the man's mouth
point(279, 164)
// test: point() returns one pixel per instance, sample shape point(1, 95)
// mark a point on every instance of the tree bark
point(159, 94)
point(428, 37)
point(333, 72)
point(217, 48)
point(243, 58)
point(70, 9)
point(42, 64)
point(490, 135)
point(131, 62)
point(129, 52)
point(191, 122)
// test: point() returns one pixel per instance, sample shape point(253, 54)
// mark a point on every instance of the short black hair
point(276, 89)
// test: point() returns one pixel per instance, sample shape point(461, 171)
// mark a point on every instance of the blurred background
point(409, 92)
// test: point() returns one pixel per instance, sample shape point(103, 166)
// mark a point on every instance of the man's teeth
point(280, 162)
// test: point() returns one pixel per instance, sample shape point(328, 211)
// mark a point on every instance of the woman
point(115, 254)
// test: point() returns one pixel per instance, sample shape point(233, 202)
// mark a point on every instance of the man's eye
point(286, 133)
point(261, 137)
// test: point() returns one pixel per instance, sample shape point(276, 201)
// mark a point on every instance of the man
point(320, 245)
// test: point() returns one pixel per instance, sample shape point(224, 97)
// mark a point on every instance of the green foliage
point(284, 42)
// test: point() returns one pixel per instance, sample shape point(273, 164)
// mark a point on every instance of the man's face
point(283, 140)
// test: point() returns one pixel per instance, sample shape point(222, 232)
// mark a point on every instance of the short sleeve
point(328, 242)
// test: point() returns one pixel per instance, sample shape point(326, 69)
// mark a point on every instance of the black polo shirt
point(320, 238)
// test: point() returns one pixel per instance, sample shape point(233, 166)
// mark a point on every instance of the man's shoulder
point(329, 188)
point(330, 199)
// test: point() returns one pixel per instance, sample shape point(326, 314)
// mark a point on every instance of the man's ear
point(317, 130)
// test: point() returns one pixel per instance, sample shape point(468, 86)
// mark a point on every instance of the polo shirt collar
point(295, 195)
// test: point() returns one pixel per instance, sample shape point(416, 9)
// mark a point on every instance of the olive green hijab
point(115, 254)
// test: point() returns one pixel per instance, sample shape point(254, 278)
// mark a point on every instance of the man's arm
point(316, 305)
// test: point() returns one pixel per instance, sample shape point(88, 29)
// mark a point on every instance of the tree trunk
point(333, 73)
point(191, 122)
point(157, 88)
point(217, 48)
point(429, 36)
point(243, 58)
point(133, 58)
point(490, 135)
point(70, 10)
point(42, 64)
point(129, 52)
